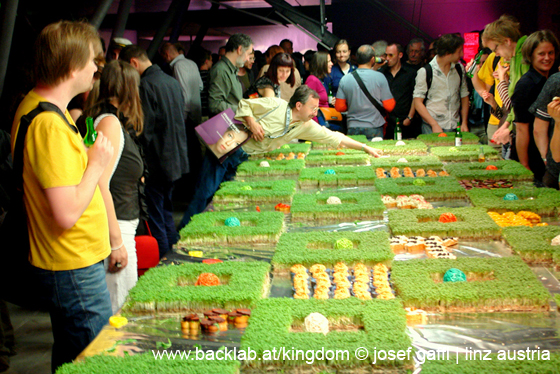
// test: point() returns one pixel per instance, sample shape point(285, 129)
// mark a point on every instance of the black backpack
point(430, 75)
point(16, 275)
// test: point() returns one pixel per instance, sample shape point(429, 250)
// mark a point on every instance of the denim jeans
point(369, 132)
point(160, 209)
point(79, 305)
point(212, 174)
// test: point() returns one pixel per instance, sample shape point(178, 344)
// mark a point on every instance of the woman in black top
point(281, 70)
point(540, 50)
point(117, 112)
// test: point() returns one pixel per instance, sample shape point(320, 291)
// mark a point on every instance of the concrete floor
point(34, 341)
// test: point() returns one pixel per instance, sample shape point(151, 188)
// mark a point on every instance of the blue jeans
point(79, 305)
point(160, 209)
point(212, 174)
point(369, 132)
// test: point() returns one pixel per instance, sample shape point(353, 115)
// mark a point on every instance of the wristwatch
point(409, 118)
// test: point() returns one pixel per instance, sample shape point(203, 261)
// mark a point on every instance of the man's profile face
point(243, 55)
point(85, 76)
point(415, 53)
point(503, 49)
point(458, 55)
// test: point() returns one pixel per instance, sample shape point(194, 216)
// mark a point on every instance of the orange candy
point(442, 135)
point(207, 279)
point(447, 217)
point(491, 167)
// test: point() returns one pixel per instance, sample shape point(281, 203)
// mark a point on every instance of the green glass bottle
point(330, 94)
point(91, 134)
point(398, 130)
point(458, 136)
point(476, 62)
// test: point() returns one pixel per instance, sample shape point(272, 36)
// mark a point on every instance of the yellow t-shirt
point(54, 156)
point(485, 75)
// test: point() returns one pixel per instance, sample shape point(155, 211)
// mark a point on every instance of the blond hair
point(62, 48)
point(505, 27)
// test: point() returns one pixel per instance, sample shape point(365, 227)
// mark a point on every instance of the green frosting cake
point(507, 169)
point(249, 193)
point(344, 176)
point(543, 201)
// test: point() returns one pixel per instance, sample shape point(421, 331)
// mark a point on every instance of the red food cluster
point(282, 208)
point(339, 153)
point(447, 217)
point(207, 279)
point(491, 167)
point(442, 135)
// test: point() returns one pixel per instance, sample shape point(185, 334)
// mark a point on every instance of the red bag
point(147, 251)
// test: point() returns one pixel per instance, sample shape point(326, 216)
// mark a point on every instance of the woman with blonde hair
point(118, 114)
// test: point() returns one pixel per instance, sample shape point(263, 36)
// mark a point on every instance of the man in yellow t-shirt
point(483, 81)
point(67, 220)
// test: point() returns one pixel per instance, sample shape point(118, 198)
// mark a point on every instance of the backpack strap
point(25, 121)
point(430, 75)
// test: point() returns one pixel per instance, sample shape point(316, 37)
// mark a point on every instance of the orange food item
point(282, 208)
point(207, 279)
point(491, 167)
point(442, 135)
point(291, 156)
point(339, 153)
point(258, 209)
point(447, 217)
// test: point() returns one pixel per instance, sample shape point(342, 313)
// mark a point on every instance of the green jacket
point(516, 70)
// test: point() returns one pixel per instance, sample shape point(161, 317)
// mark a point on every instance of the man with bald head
point(363, 116)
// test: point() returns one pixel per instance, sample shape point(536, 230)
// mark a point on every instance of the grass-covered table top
point(435, 139)
point(410, 147)
point(493, 284)
point(278, 323)
point(312, 248)
point(472, 223)
point(252, 168)
point(336, 176)
point(506, 169)
point(439, 188)
point(533, 244)
point(147, 363)
point(413, 162)
point(285, 150)
point(172, 288)
point(360, 158)
point(354, 206)
point(275, 191)
point(543, 201)
point(464, 153)
point(209, 228)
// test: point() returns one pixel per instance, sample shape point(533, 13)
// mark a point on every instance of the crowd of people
point(84, 205)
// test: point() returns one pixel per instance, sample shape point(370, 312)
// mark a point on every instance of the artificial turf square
point(147, 363)
point(493, 284)
point(336, 176)
point(413, 162)
point(361, 158)
point(435, 188)
point(354, 206)
point(285, 150)
point(410, 147)
point(533, 244)
point(358, 138)
point(435, 139)
point(543, 201)
point(473, 223)
point(243, 193)
point(506, 169)
point(252, 168)
point(274, 322)
point(209, 228)
point(465, 153)
point(310, 248)
point(172, 288)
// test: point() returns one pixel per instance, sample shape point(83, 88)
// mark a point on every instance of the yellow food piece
point(522, 218)
point(118, 321)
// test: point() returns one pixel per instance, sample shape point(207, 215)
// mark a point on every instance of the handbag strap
point(25, 122)
point(375, 103)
